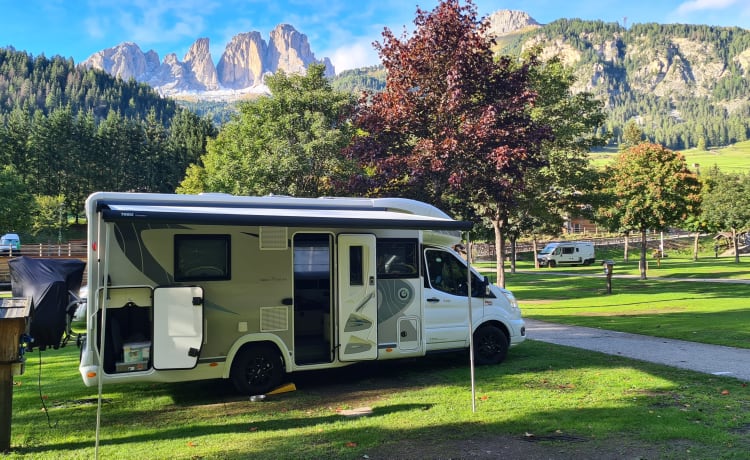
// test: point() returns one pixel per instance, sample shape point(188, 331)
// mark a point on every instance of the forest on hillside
point(66, 131)
point(716, 114)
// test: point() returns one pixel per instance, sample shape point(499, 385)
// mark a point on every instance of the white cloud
point(701, 5)
point(353, 55)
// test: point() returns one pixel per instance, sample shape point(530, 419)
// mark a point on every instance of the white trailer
point(567, 252)
point(192, 287)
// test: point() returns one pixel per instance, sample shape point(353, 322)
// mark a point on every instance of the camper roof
point(346, 213)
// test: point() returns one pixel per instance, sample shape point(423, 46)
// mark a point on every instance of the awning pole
point(471, 323)
point(102, 325)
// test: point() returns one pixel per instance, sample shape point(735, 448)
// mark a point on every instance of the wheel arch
point(498, 324)
point(257, 339)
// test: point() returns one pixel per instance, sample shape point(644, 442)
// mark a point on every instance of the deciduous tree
point(452, 126)
point(288, 143)
point(651, 189)
point(725, 204)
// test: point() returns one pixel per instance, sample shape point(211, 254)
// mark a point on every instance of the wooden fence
point(70, 250)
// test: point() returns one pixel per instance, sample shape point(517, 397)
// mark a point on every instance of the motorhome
point(192, 287)
point(570, 253)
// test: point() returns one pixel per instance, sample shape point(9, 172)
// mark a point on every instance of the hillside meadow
point(734, 158)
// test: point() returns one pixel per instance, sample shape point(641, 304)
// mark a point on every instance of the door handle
point(433, 299)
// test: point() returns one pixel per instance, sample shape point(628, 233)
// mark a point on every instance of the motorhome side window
point(356, 270)
point(397, 258)
point(201, 257)
point(446, 273)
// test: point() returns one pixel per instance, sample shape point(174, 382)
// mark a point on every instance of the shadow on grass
point(555, 287)
point(652, 411)
point(728, 327)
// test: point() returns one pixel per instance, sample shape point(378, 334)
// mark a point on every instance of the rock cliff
point(244, 62)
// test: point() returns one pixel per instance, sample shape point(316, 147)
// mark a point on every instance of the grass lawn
point(672, 302)
point(575, 402)
point(731, 159)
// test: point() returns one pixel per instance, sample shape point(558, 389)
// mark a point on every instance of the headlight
point(511, 299)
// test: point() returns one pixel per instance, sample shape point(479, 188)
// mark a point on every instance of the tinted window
point(397, 258)
point(201, 257)
point(448, 274)
point(356, 271)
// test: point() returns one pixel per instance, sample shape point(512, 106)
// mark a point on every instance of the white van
point(250, 288)
point(571, 253)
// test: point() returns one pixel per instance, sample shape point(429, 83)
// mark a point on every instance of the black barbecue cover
point(47, 282)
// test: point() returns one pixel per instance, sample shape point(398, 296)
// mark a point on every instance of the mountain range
point(681, 83)
point(246, 59)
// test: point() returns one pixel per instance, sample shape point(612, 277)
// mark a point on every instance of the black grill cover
point(47, 282)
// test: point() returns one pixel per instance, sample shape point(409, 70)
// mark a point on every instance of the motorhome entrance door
point(178, 327)
point(357, 298)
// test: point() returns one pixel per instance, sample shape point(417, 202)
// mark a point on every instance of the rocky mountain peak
point(242, 65)
point(199, 62)
point(503, 22)
point(125, 61)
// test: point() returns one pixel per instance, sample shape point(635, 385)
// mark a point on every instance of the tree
point(566, 186)
point(632, 135)
point(49, 218)
point(452, 126)
point(17, 203)
point(289, 143)
point(651, 189)
point(701, 144)
point(725, 205)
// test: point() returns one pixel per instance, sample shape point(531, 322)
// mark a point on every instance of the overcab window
point(201, 258)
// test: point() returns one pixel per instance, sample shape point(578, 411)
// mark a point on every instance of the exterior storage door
point(178, 327)
point(357, 298)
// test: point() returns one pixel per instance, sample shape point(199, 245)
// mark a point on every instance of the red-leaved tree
point(452, 126)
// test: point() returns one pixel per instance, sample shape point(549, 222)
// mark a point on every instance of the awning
point(362, 218)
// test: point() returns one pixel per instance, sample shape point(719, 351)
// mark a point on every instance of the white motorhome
point(571, 253)
point(251, 288)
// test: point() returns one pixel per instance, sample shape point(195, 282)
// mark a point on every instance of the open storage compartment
point(129, 326)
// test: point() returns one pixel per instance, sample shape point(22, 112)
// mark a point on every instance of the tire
point(490, 345)
point(551, 264)
point(257, 369)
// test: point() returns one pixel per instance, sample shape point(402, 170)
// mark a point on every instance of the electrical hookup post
point(14, 313)
point(608, 266)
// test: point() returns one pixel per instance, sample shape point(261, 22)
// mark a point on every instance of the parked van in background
point(10, 243)
point(571, 253)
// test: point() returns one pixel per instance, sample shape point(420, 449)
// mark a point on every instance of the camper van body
point(567, 253)
point(250, 288)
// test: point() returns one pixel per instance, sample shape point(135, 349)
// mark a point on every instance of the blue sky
point(342, 30)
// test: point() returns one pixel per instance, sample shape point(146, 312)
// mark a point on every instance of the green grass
point(671, 303)
point(714, 313)
point(425, 405)
point(542, 389)
point(733, 158)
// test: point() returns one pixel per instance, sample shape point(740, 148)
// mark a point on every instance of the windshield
point(548, 249)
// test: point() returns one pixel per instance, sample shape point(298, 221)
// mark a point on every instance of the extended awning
point(362, 218)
